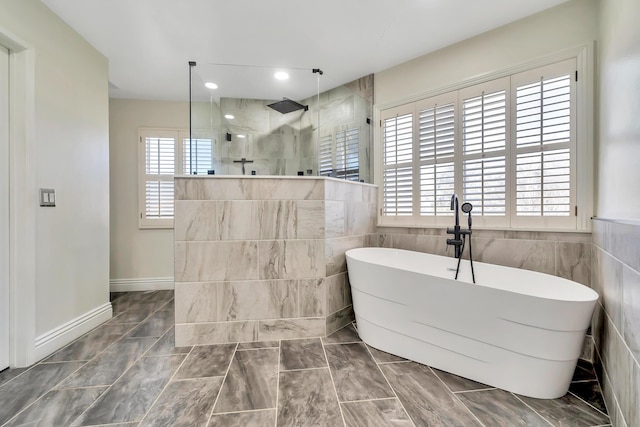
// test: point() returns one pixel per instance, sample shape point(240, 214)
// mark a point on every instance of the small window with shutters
point(164, 154)
point(507, 146)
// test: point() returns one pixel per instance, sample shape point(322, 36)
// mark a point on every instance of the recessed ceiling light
point(229, 116)
point(281, 75)
point(240, 136)
point(211, 85)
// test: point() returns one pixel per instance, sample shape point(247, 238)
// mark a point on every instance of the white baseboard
point(148, 284)
point(57, 338)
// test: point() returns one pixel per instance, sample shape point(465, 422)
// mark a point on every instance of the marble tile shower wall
point(284, 144)
point(616, 323)
point(263, 259)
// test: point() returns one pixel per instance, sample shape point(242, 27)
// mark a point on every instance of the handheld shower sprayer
point(467, 208)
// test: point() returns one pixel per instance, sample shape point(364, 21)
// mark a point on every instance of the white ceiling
point(149, 42)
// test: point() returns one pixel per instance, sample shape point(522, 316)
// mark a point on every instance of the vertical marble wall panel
point(310, 219)
point(338, 292)
point(334, 257)
point(277, 219)
point(334, 218)
point(203, 188)
point(312, 295)
point(195, 220)
point(573, 261)
point(615, 326)
point(237, 220)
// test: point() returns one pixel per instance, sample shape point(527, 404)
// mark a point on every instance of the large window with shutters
point(163, 154)
point(508, 146)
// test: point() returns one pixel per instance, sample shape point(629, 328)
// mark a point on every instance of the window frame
point(582, 155)
point(179, 137)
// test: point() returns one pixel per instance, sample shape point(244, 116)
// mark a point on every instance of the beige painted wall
point(569, 25)
point(137, 253)
point(619, 134)
point(67, 100)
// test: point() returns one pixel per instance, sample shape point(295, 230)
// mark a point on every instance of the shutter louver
point(484, 134)
point(436, 146)
point(325, 157)
point(398, 166)
point(159, 171)
point(543, 137)
point(347, 155)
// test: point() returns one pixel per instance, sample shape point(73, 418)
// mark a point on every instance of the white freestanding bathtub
point(515, 329)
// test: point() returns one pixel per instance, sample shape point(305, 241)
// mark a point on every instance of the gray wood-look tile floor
point(127, 372)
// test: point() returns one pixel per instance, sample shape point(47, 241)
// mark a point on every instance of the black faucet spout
point(454, 207)
point(456, 242)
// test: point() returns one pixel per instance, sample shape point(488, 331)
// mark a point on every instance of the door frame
point(23, 199)
point(4, 213)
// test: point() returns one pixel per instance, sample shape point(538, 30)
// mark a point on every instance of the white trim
point(57, 338)
point(141, 284)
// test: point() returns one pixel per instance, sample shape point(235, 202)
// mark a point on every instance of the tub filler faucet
point(456, 242)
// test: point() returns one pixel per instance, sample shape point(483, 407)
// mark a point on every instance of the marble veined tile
point(166, 345)
point(57, 408)
point(573, 262)
point(293, 189)
point(138, 312)
point(335, 260)
point(89, 345)
point(207, 361)
point(631, 310)
point(536, 255)
point(338, 292)
point(276, 146)
point(11, 373)
point(361, 218)
point(184, 403)
point(312, 297)
point(383, 357)
point(335, 218)
point(339, 319)
point(355, 373)
point(195, 220)
point(302, 354)
point(347, 334)
point(155, 326)
point(237, 220)
point(250, 383)
point(456, 383)
point(388, 412)
point(215, 261)
point(216, 189)
point(590, 392)
point(264, 418)
point(31, 385)
point(134, 393)
point(258, 344)
point(310, 219)
point(281, 329)
point(107, 367)
point(498, 407)
point(567, 410)
point(426, 399)
point(290, 259)
point(196, 302)
point(216, 333)
point(307, 398)
point(258, 299)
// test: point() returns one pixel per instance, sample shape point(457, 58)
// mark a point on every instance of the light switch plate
point(47, 197)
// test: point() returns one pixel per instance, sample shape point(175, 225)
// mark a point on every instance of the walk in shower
point(263, 120)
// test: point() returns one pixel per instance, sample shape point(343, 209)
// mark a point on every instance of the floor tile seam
point(53, 388)
point(108, 389)
point(215, 402)
point(333, 383)
point(244, 412)
point(389, 384)
point(338, 343)
point(303, 369)
point(165, 386)
point(529, 406)
point(20, 374)
point(255, 349)
point(604, 376)
point(278, 380)
point(369, 400)
point(474, 391)
point(456, 397)
point(391, 363)
point(589, 404)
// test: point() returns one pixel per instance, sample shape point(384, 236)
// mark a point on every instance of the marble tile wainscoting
point(616, 322)
point(262, 258)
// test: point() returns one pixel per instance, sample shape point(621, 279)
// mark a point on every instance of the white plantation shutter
point(545, 145)
point(485, 128)
point(436, 147)
point(197, 156)
point(159, 169)
point(397, 187)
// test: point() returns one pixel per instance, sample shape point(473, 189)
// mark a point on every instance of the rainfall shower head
point(287, 106)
